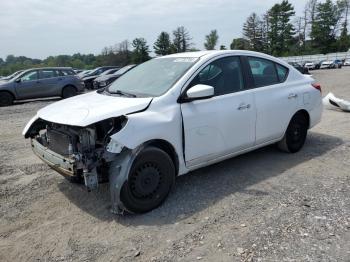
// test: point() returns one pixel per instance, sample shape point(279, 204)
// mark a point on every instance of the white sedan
point(171, 115)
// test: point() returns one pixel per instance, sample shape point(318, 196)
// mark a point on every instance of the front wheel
point(295, 136)
point(6, 99)
point(150, 180)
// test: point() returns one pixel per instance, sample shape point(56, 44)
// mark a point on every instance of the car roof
point(213, 53)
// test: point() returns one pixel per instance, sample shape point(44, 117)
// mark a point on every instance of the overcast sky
point(39, 28)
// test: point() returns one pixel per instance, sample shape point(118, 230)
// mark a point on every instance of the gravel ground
point(262, 206)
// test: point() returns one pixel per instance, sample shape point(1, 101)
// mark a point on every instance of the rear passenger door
point(49, 79)
point(274, 98)
point(223, 124)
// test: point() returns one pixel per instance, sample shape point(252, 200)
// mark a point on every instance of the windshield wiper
point(122, 93)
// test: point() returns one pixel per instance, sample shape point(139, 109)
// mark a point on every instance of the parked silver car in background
point(39, 83)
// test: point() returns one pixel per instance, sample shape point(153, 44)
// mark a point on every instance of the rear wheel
point(149, 182)
point(69, 91)
point(6, 99)
point(295, 136)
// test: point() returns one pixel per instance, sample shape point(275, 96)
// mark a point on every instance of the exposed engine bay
point(85, 147)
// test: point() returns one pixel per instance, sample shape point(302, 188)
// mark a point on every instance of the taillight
point(317, 86)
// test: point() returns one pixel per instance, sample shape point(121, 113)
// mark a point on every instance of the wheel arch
point(9, 92)
point(167, 148)
point(69, 85)
point(304, 113)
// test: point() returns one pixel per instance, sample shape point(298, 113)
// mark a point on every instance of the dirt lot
point(262, 206)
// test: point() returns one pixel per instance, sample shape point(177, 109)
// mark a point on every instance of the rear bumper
point(63, 165)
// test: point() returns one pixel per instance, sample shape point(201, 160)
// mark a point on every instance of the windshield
point(153, 78)
point(124, 69)
point(12, 76)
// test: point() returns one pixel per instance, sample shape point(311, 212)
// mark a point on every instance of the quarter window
point(263, 71)
point(282, 72)
point(224, 74)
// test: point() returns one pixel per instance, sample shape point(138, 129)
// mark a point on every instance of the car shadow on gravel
point(204, 187)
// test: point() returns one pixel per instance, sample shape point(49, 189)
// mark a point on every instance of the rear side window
point(47, 73)
point(63, 72)
point(282, 72)
point(264, 71)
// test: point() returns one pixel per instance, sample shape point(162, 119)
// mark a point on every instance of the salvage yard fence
point(317, 58)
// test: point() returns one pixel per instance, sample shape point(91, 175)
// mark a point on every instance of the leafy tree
point(211, 40)
point(240, 44)
point(344, 39)
point(222, 47)
point(324, 28)
point(252, 31)
point(162, 46)
point(181, 40)
point(281, 29)
point(141, 51)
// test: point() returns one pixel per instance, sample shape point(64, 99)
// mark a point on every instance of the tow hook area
point(90, 179)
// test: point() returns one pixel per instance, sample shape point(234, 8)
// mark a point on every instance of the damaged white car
point(171, 115)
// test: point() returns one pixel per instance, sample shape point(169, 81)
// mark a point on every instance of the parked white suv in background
point(310, 65)
point(327, 64)
point(172, 115)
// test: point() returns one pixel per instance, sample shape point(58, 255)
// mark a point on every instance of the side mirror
point(199, 92)
point(18, 80)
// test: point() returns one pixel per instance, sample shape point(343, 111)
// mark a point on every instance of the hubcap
point(296, 134)
point(145, 181)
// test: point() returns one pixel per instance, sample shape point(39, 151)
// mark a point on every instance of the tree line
point(321, 28)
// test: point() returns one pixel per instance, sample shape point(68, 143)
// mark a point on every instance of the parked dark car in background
point(39, 83)
point(105, 80)
point(337, 64)
point(91, 76)
point(300, 68)
point(318, 65)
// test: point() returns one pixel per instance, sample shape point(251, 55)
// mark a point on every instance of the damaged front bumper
point(63, 165)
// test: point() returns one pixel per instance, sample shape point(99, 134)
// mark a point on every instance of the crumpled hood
point(84, 110)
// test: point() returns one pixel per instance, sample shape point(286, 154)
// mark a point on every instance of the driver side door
point(221, 125)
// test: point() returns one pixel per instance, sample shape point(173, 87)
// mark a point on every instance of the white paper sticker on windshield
point(185, 60)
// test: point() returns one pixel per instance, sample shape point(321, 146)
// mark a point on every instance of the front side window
point(154, 77)
point(224, 74)
point(30, 76)
point(47, 73)
point(263, 71)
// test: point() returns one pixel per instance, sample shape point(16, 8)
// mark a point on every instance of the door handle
point(292, 96)
point(243, 106)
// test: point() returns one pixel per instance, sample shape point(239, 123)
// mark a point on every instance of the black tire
point(6, 99)
point(295, 136)
point(150, 180)
point(69, 91)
